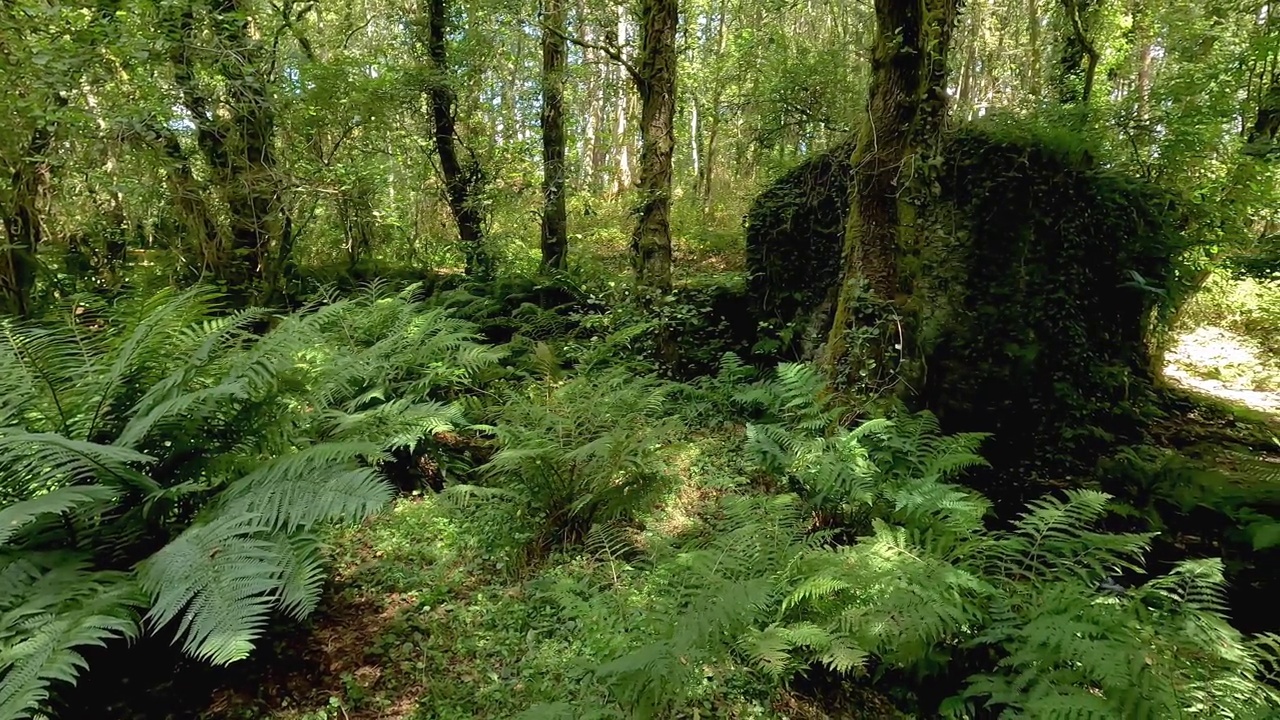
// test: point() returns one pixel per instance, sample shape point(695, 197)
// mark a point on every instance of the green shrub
point(1027, 621)
point(573, 454)
point(161, 455)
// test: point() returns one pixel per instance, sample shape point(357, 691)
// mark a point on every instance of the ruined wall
point(1034, 281)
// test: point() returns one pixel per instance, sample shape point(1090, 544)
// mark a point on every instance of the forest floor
point(422, 623)
point(1224, 365)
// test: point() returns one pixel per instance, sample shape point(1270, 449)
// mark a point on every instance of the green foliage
point(573, 454)
point(1032, 615)
point(884, 466)
point(162, 450)
point(52, 606)
point(662, 629)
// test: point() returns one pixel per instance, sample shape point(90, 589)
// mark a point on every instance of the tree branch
point(614, 52)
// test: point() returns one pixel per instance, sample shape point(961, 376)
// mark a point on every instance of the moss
point(1033, 283)
point(795, 230)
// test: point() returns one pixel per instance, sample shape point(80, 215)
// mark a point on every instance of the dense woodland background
point(169, 139)
point(715, 358)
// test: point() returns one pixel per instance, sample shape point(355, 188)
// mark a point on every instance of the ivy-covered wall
point(795, 230)
point(1033, 282)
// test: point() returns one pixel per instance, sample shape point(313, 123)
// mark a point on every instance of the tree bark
point(1034, 52)
point(594, 147)
point(968, 73)
point(655, 79)
point(236, 134)
point(1079, 59)
point(870, 340)
point(709, 157)
point(463, 181)
point(555, 232)
point(190, 200)
point(23, 224)
point(622, 99)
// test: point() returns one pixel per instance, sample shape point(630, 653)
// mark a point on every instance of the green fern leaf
point(56, 502)
point(220, 578)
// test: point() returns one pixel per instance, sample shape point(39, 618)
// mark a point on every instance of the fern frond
point(769, 650)
point(56, 502)
point(43, 461)
point(312, 486)
point(46, 619)
point(394, 424)
point(221, 578)
point(302, 574)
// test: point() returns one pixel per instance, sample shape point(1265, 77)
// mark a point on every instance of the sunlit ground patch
point(1225, 365)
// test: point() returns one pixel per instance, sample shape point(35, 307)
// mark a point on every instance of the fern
point(895, 466)
point(218, 578)
point(580, 453)
point(927, 586)
point(51, 606)
point(165, 423)
point(62, 500)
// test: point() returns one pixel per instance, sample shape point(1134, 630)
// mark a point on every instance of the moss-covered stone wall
point(1033, 282)
point(795, 230)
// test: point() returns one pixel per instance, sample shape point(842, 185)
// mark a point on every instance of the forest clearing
point(639, 359)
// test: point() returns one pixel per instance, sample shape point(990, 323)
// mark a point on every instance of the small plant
point(576, 453)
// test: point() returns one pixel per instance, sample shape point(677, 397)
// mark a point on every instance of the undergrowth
point(811, 549)
point(165, 466)
point(630, 547)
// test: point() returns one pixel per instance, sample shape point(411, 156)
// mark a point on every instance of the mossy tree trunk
point(235, 130)
point(1078, 62)
point(191, 205)
point(1033, 49)
point(24, 229)
point(463, 181)
point(655, 78)
point(555, 238)
point(870, 339)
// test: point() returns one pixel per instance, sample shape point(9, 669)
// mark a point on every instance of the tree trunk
point(655, 79)
point(356, 214)
point(555, 233)
point(254, 199)
point(196, 218)
point(236, 135)
point(594, 147)
point(621, 141)
point(870, 341)
point(117, 231)
point(463, 182)
point(694, 139)
point(703, 181)
point(1033, 40)
point(23, 226)
point(968, 74)
point(1078, 64)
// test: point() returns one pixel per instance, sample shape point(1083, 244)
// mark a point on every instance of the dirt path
point(1220, 363)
